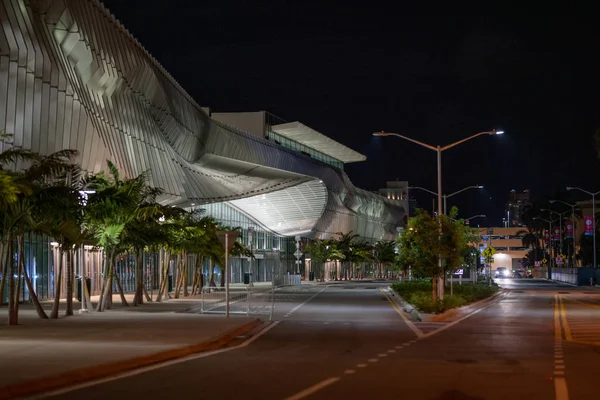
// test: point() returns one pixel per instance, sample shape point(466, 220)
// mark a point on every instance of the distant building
point(399, 191)
point(514, 207)
point(509, 246)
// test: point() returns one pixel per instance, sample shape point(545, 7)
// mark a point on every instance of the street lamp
point(572, 220)
point(446, 196)
point(438, 149)
point(593, 215)
point(475, 216)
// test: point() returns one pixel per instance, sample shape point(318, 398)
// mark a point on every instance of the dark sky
point(347, 71)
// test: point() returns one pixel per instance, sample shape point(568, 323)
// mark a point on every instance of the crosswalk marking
point(581, 321)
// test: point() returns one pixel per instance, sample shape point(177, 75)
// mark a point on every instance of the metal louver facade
point(71, 76)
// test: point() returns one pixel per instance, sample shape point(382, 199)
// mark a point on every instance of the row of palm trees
point(52, 196)
point(353, 255)
point(534, 217)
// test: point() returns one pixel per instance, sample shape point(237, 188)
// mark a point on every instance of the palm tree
point(344, 245)
point(385, 255)
point(115, 204)
point(322, 251)
point(145, 231)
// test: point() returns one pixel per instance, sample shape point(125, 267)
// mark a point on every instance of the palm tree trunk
point(121, 294)
point(211, 265)
point(434, 288)
point(70, 270)
point(104, 280)
point(32, 294)
point(103, 302)
point(178, 275)
point(20, 267)
point(12, 311)
point(185, 274)
point(165, 276)
point(195, 275)
point(3, 271)
point(58, 285)
point(139, 278)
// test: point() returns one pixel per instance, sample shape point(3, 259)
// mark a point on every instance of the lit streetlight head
point(480, 187)
point(569, 188)
point(497, 132)
point(382, 133)
point(552, 201)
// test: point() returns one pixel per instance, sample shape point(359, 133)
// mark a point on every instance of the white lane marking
point(306, 301)
point(400, 347)
point(349, 371)
point(361, 365)
point(382, 355)
point(373, 360)
point(391, 351)
point(451, 324)
point(153, 367)
point(313, 389)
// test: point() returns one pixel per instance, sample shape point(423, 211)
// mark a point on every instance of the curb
point(33, 387)
point(448, 315)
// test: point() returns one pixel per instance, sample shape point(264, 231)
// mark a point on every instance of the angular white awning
point(288, 212)
point(302, 134)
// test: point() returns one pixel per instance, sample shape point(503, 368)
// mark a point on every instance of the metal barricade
point(242, 300)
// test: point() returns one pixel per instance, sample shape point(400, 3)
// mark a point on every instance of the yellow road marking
point(557, 331)
point(565, 323)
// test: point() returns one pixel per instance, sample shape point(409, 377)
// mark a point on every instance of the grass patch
point(418, 293)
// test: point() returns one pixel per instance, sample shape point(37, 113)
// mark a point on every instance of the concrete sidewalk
point(38, 350)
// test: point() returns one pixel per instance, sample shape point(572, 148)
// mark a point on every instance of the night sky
point(347, 71)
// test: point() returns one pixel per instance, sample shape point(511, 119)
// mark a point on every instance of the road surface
point(346, 341)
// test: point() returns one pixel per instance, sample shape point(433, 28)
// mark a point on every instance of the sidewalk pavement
point(40, 355)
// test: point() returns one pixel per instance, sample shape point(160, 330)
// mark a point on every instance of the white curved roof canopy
point(302, 134)
point(288, 212)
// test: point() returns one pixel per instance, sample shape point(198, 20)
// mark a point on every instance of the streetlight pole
point(438, 149)
point(572, 221)
point(593, 216)
point(250, 267)
point(560, 218)
point(446, 196)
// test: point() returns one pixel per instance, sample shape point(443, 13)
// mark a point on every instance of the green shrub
point(418, 293)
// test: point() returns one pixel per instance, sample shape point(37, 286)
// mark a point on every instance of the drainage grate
point(563, 292)
point(517, 291)
point(598, 292)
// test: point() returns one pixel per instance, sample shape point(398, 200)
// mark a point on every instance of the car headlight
point(505, 273)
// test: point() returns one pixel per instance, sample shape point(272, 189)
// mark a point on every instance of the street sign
point(538, 263)
point(233, 235)
point(298, 254)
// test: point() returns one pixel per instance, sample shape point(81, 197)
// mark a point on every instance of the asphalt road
point(347, 341)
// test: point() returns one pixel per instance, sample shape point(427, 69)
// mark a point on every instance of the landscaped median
point(419, 304)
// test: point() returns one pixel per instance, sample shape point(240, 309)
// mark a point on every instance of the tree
point(114, 204)
point(322, 251)
point(419, 246)
point(384, 255)
point(344, 245)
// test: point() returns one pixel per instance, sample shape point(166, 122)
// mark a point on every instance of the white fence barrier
point(247, 301)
